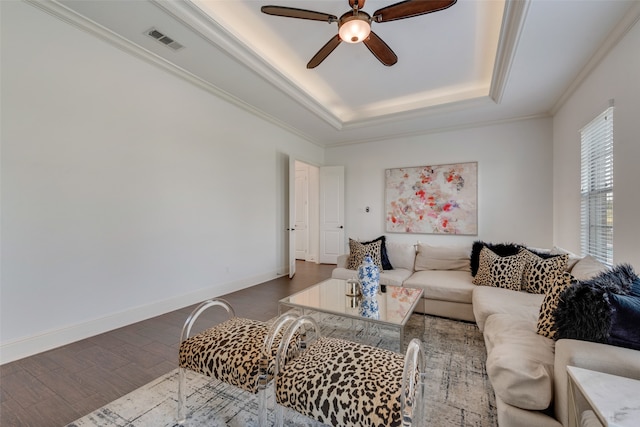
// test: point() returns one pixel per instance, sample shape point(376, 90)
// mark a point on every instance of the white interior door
point(331, 213)
point(291, 227)
point(302, 211)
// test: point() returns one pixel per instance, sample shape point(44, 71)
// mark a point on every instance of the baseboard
point(49, 340)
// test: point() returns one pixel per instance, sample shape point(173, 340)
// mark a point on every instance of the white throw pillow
point(401, 255)
point(443, 257)
point(587, 268)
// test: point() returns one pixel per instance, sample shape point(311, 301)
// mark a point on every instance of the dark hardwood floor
point(59, 386)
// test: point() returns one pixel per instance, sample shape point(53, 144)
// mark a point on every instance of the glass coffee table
point(396, 304)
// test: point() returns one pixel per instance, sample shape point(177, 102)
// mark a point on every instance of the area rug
point(458, 392)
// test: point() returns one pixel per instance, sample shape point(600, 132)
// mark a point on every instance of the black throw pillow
point(585, 310)
point(386, 264)
point(625, 321)
point(583, 313)
point(501, 249)
point(635, 288)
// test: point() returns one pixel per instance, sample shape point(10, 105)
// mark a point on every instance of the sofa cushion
point(519, 362)
point(589, 419)
point(488, 300)
point(502, 249)
point(442, 257)
point(443, 285)
point(546, 318)
point(587, 268)
point(384, 258)
point(540, 274)
point(401, 255)
point(503, 272)
point(357, 252)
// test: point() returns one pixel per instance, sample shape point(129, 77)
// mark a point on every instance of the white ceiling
point(478, 61)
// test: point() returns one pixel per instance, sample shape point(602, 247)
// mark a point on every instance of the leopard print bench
point(240, 352)
point(228, 352)
point(343, 383)
point(349, 384)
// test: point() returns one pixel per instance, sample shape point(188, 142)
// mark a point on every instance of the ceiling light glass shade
point(355, 30)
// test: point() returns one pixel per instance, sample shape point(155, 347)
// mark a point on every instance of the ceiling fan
point(355, 25)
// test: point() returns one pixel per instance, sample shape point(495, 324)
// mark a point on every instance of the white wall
point(616, 77)
point(514, 180)
point(126, 192)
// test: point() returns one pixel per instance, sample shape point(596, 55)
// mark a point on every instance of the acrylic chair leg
point(420, 402)
point(182, 396)
point(262, 408)
point(263, 411)
point(279, 409)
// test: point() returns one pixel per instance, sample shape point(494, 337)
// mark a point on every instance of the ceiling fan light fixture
point(354, 28)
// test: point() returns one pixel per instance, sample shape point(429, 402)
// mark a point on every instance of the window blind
point(597, 187)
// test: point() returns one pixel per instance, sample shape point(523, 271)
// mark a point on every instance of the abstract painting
point(441, 199)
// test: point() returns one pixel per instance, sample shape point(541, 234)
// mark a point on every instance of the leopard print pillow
point(502, 272)
point(546, 318)
point(540, 274)
point(343, 383)
point(357, 252)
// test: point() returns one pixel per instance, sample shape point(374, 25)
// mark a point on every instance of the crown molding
point(59, 11)
point(513, 19)
point(628, 21)
point(203, 24)
point(473, 99)
point(442, 129)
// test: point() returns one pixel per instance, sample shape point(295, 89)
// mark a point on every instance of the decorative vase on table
point(369, 308)
point(369, 276)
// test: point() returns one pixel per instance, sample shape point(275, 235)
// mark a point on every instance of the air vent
point(165, 40)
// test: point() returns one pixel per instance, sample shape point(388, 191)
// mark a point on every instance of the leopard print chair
point(348, 384)
point(240, 352)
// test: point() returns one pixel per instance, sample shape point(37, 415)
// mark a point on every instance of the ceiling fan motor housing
point(354, 27)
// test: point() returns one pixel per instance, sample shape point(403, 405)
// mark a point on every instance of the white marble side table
point(615, 400)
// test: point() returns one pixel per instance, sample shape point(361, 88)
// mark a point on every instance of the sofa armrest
point(605, 358)
point(342, 261)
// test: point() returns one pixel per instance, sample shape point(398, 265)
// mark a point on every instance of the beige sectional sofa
point(447, 287)
point(527, 370)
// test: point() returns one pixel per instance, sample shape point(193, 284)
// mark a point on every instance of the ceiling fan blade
point(292, 12)
point(359, 2)
point(380, 49)
point(324, 52)
point(410, 8)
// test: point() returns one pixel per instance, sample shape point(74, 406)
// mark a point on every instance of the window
point(597, 187)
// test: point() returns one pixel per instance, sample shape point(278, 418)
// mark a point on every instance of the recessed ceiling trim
point(452, 101)
point(201, 23)
point(479, 99)
point(513, 19)
point(73, 18)
point(434, 130)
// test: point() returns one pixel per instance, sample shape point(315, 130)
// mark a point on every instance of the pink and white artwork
point(441, 199)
